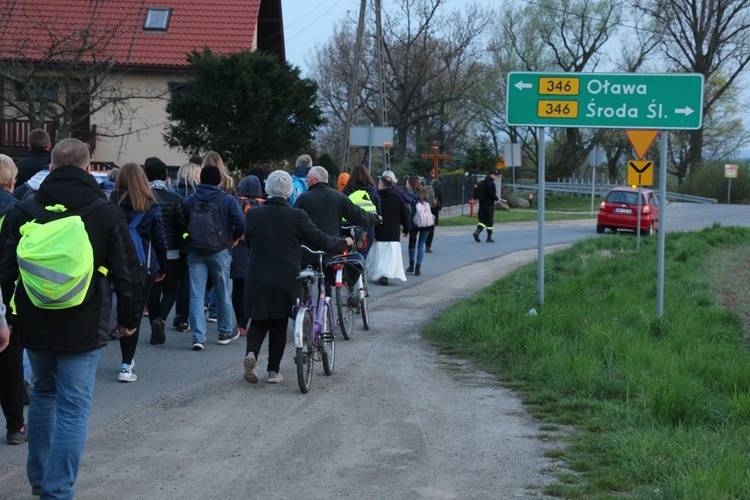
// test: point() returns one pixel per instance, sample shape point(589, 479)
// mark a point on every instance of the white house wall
point(138, 135)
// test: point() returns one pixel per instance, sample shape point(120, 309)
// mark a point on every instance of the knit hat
point(211, 175)
point(279, 183)
point(391, 175)
point(342, 181)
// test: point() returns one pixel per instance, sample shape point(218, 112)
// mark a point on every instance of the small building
point(103, 71)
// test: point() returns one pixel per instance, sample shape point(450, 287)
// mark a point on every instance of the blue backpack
point(299, 186)
point(137, 241)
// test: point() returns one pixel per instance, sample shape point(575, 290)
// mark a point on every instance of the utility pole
point(354, 85)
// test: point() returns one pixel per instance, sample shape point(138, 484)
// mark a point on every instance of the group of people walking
point(146, 243)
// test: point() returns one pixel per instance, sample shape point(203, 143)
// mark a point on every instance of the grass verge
point(502, 216)
point(660, 408)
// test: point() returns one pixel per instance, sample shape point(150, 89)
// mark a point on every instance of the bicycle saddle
point(307, 274)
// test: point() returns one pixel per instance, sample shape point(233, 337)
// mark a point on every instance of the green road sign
point(605, 100)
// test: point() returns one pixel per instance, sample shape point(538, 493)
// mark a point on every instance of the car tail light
point(603, 205)
point(646, 209)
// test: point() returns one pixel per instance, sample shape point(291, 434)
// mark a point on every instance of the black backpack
point(207, 231)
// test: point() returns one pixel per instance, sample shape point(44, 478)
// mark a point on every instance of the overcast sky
point(307, 22)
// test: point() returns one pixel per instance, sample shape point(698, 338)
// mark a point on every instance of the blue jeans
point(200, 266)
point(414, 235)
point(58, 420)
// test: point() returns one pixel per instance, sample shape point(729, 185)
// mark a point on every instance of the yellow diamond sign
point(640, 173)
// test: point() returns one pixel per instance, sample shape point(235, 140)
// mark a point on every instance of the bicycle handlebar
point(316, 252)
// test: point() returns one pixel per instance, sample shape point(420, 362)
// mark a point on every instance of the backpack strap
point(37, 210)
point(136, 220)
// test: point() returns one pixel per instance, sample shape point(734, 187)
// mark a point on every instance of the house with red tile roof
point(129, 56)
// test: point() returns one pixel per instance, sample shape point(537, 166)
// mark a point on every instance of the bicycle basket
point(358, 234)
point(354, 265)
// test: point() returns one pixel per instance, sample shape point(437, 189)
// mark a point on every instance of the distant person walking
point(164, 293)
point(143, 213)
point(385, 261)
point(361, 189)
point(486, 194)
point(38, 159)
point(215, 224)
point(11, 359)
point(434, 194)
point(249, 196)
point(421, 221)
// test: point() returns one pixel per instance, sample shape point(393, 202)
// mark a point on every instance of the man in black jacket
point(64, 345)
point(487, 196)
point(326, 207)
point(38, 159)
point(163, 293)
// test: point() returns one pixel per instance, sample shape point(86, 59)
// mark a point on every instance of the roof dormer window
point(157, 19)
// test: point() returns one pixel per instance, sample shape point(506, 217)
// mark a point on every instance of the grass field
point(642, 407)
point(557, 207)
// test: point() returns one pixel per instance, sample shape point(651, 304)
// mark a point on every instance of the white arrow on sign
point(687, 110)
point(521, 85)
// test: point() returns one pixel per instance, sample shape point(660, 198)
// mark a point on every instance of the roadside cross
point(435, 158)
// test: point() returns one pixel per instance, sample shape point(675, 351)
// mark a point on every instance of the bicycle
point(350, 293)
point(313, 325)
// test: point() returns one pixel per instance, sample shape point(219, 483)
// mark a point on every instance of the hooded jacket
point(37, 160)
point(173, 216)
point(229, 210)
point(31, 186)
point(85, 327)
point(249, 189)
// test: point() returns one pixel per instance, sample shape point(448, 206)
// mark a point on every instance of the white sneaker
point(275, 377)
point(126, 373)
point(197, 346)
point(249, 364)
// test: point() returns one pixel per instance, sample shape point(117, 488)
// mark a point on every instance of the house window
point(175, 88)
point(157, 19)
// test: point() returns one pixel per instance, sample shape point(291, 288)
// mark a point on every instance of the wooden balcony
point(15, 133)
point(14, 137)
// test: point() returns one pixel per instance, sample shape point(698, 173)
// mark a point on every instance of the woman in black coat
point(273, 233)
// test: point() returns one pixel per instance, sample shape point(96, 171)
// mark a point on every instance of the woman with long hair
point(227, 183)
point(417, 235)
point(361, 189)
point(134, 196)
point(188, 177)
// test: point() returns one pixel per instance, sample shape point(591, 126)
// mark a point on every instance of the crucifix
point(435, 158)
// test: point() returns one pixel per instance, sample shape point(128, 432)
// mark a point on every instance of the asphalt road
point(396, 420)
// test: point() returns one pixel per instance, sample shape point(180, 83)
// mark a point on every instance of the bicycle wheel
point(352, 306)
point(363, 304)
point(327, 341)
point(303, 357)
point(341, 311)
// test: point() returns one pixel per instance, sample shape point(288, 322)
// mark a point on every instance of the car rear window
point(622, 197)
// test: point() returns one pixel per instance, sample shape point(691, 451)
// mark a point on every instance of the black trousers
point(11, 383)
point(164, 293)
point(238, 302)
point(130, 343)
point(256, 334)
point(436, 212)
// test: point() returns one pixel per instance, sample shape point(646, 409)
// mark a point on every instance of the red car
point(619, 210)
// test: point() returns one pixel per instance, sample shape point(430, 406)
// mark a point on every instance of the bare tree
point(431, 60)
point(68, 76)
point(710, 37)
